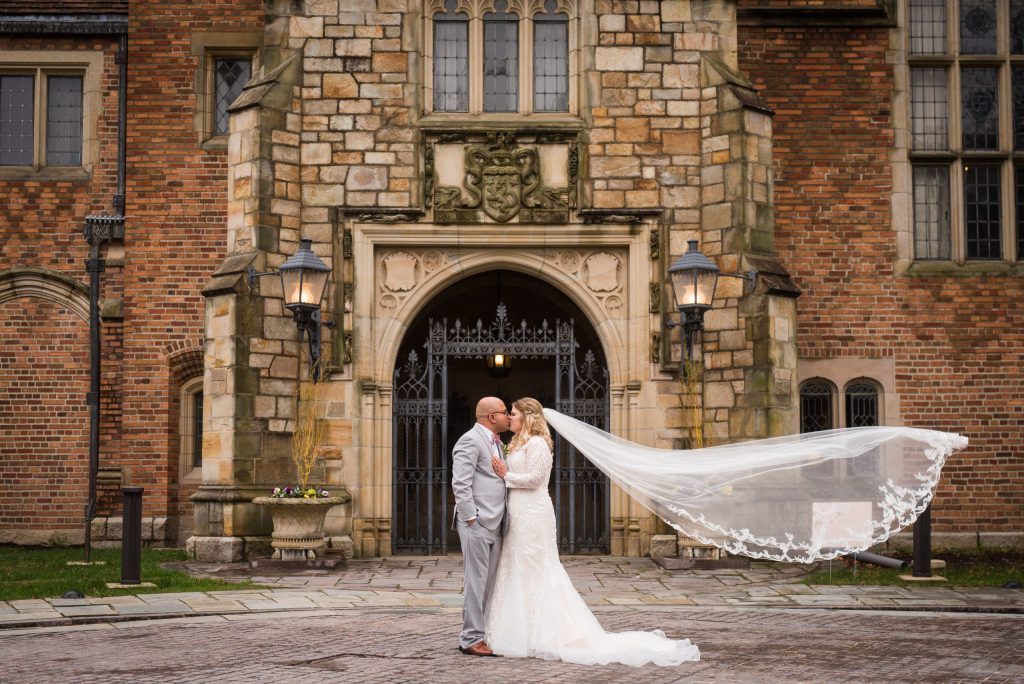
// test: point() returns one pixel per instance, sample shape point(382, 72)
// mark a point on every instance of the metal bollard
point(131, 536)
point(923, 544)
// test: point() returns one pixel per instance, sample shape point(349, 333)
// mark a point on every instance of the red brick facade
point(957, 340)
point(174, 239)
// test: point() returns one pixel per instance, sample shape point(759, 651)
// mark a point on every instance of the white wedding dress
point(534, 611)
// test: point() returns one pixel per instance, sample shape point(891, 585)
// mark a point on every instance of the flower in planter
point(299, 492)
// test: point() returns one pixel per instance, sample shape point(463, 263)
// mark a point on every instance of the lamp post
point(303, 280)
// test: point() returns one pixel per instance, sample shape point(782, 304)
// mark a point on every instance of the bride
point(534, 609)
point(799, 498)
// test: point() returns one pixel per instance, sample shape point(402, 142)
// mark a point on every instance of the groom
point(479, 513)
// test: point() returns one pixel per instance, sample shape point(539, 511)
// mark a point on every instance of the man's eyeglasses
point(493, 412)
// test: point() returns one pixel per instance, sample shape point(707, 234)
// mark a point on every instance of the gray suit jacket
point(479, 492)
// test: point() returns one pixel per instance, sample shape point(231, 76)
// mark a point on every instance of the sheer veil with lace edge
point(800, 498)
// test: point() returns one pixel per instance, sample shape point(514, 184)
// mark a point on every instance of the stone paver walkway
point(436, 582)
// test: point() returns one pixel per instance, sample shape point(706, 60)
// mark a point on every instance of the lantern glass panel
point(303, 286)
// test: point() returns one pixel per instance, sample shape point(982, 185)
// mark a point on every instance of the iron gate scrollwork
point(428, 419)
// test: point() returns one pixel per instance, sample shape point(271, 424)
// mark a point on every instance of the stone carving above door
point(499, 179)
point(600, 273)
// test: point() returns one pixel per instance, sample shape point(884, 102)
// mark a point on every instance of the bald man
point(479, 516)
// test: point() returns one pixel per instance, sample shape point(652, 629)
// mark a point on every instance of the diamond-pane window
point(230, 76)
point(64, 121)
point(17, 120)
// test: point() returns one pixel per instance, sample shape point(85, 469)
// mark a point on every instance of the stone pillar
point(750, 343)
point(252, 352)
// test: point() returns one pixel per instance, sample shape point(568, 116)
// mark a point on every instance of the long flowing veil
point(800, 498)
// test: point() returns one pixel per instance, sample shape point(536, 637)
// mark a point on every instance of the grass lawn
point(981, 568)
point(43, 573)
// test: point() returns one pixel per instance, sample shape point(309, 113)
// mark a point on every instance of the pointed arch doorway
point(440, 373)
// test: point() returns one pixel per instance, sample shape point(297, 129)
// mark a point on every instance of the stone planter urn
point(298, 525)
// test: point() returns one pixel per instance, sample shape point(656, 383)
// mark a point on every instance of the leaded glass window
point(980, 107)
point(1018, 188)
point(861, 400)
point(64, 121)
point(1018, 107)
point(230, 76)
point(501, 60)
point(931, 212)
point(1017, 27)
point(17, 120)
point(978, 27)
point(981, 211)
point(41, 118)
point(815, 406)
point(197, 429)
point(928, 27)
point(451, 60)
point(861, 405)
point(929, 109)
point(551, 61)
point(966, 147)
point(495, 57)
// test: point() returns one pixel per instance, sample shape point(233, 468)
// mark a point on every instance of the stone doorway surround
point(398, 268)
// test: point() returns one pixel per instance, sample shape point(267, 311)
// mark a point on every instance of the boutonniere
point(504, 447)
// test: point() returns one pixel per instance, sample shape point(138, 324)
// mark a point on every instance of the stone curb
point(67, 621)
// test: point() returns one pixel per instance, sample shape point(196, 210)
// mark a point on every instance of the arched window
point(861, 404)
point(861, 399)
point(190, 430)
point(815, 406)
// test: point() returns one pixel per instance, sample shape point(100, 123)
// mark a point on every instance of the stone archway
point(556, 358)
point(603, 270)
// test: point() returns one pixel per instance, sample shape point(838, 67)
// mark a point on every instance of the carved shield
point(502, 192)
point(400, 272)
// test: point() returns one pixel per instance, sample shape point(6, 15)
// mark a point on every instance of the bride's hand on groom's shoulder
point(499, 467)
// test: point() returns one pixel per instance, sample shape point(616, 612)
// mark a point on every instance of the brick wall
point(957, 341)
point(44, 348)
point(44, 443)
point(176, 208)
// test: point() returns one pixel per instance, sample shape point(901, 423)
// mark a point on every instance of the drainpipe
point(100, 229)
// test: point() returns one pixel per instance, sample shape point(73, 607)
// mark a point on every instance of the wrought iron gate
point(428, 419)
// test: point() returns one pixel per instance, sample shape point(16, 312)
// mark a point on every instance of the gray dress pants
point(481, 549)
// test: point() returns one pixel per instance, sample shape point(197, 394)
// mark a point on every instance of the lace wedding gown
point(534, 609)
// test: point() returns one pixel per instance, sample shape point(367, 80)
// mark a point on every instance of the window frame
point(476, 9)
point(207, 48)
point(41, 64)
point(839, 398)
point(954, 157)
point(188, 472)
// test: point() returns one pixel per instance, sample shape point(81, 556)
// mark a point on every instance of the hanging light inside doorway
point(499, 363)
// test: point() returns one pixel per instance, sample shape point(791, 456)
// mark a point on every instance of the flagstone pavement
point(396, 620)
point(434, 582)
